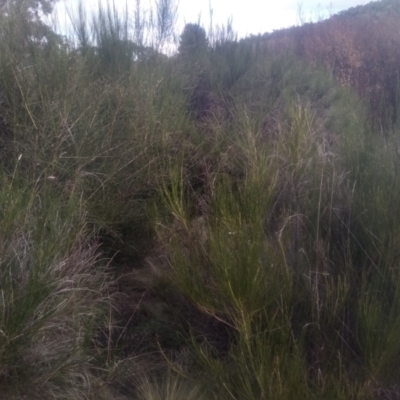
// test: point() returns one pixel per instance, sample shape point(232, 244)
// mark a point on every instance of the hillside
point(360, 46)
point(219, 224)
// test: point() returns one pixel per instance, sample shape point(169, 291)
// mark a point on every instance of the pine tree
point(193, 41)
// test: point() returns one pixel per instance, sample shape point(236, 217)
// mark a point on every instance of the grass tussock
point(217, 224)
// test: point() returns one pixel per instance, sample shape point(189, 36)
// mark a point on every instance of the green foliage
point(220, 224)
point(51, 296)
point(232, 60)
point(24, 17)
point(193, 41)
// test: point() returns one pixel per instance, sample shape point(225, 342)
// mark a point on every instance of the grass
point(53, 295)
point(218, 228)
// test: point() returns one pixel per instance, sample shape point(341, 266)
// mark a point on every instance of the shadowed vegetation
point(221, 223)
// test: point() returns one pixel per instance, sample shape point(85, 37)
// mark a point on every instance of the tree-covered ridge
point(374, 9)
point(360, 46)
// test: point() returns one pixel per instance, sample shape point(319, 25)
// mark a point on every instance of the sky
point(259, 16)
point(249, 16)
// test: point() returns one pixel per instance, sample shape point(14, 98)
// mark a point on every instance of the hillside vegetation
point(360, 46)
point(222, 223)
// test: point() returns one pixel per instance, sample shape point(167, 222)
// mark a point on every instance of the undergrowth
point(213, 224)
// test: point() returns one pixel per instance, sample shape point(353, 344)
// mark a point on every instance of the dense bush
point(217, 224)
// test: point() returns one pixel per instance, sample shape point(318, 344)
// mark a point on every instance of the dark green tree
point(28, 16)
point(193, 41)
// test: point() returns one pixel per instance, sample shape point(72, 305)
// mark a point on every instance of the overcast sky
point(259, 16)
point(249, 16)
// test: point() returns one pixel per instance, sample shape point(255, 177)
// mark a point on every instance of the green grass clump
point(54, 290)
